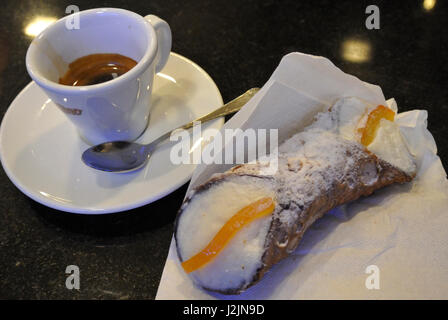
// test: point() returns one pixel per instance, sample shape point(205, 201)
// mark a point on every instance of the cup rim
point(142, 64)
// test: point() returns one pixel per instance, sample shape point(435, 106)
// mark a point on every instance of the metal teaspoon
point(124, 156)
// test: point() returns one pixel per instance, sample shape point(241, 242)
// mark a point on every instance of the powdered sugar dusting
point(324, 160)
point(325, 153)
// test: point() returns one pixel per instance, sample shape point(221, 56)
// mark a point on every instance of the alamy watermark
point(73, 21)
point(73, 280)
point(230, 146)
point(373, 280)
point(373, 20)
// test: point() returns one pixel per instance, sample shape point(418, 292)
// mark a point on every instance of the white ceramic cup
point(118, 109)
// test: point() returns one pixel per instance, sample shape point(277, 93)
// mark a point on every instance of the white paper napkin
point(402, 230)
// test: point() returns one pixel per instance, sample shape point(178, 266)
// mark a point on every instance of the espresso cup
point(117, 109)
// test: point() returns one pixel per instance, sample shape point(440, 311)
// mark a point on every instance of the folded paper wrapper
point(401, 229)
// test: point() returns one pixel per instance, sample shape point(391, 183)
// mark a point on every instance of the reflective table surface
point(239, 43)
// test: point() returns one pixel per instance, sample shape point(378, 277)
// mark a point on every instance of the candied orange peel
point(368, 132)
point(243, 217)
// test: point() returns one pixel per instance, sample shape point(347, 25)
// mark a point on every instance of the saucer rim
point(97, 211)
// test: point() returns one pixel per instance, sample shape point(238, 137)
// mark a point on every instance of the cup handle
point(163, 40)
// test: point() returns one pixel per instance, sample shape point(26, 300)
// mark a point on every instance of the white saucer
point(41, 151)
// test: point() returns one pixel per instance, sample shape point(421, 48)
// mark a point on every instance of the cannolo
point(232, 229)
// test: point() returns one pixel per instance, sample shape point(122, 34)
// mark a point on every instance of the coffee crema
point(96, 68)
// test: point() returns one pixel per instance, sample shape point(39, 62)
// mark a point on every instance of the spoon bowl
point(117, 156)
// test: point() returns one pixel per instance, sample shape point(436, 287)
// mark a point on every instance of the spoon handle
point(230, 107)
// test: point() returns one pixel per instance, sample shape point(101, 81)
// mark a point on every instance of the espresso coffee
point(96, 68)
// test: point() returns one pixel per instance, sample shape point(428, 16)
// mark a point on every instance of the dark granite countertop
point(239, 43)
